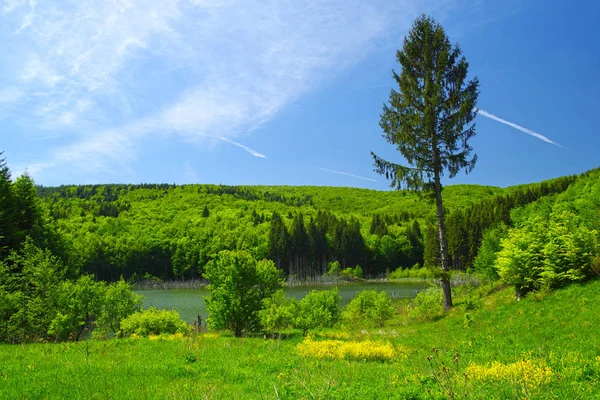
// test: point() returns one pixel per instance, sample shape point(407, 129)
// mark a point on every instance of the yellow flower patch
point(530, 373)
point(339, 350)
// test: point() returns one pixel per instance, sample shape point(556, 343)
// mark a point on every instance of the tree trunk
point(445, 279)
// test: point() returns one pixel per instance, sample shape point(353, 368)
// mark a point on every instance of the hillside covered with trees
point(170, 231)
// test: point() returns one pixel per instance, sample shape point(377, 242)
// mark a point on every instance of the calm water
point(190, 302)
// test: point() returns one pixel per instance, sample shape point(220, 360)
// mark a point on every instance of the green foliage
point(548, 254)
point(114, 230)
point(120, 302)
point(278, 312)
point(490, 246)
point(427, 305)
point(334, 268)
point(30, 282)
point(415, 272)
point(238, 286)
point(80, 303)
point(430, 120)
point(370, 307)
point(154, 322)
point(318, 309)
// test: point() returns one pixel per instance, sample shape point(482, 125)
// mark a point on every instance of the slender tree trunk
point(445, 280)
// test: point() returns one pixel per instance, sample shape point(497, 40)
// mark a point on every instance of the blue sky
point(281, 91)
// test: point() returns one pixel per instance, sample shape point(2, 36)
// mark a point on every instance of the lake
point(190, 302)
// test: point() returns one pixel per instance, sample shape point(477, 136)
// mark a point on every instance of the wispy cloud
point(246, 148)
point(519, 127)
point(333, 171)
point(112, 76)
point(43, 138)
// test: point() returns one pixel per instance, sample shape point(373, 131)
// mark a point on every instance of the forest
point(172, 232)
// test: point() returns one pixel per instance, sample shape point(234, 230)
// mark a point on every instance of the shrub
point(120, 303)
point(154, 322)
point(334, 268)
point(415, 272)
point(547, 254)
point(318, 309)
point(369, 306)
point(427, 305)
point(278, 312)
point(80, 304)
point(238, 286)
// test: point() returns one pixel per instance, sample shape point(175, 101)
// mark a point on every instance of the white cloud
point(118, 72)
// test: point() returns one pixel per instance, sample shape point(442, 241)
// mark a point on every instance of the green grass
point(559, 330)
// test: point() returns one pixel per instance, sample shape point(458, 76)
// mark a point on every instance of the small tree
point(238, 286)
point(520, 261)
point(120, 302)
point(80, 304)
point(318, 309)
point(278, 312)
point(369, 306)
point(428, 120)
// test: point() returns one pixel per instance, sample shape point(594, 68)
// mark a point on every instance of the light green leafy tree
point(318, 309)
point(278, 312)
point(369, 307)
point(521, 261)
point(570, 252)
point(238, 286)
point(80, 304)
point(120, 302)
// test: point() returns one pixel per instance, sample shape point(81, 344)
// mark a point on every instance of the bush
point(79, 305)
point(427, 305)
point(334, 268)
point(318, 309)
point(415, 272)
point(278, 312)
point(547, 254)
point(369, 306)
point(238, 286)
point(154, 322)
point(120, 303)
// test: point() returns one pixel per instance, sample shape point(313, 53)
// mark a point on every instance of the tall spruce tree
point(7, 211)
point(429, 120)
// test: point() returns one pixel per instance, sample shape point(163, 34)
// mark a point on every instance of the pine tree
point(7, 204)
point(426, 120)
point(28, 213)
point(278, 242)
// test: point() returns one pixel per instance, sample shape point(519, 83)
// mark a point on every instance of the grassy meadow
point(488, 347)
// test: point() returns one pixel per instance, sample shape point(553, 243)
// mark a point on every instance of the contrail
point(346, 174)
point(43, 138)
point(519, 127)
point(248, 149)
